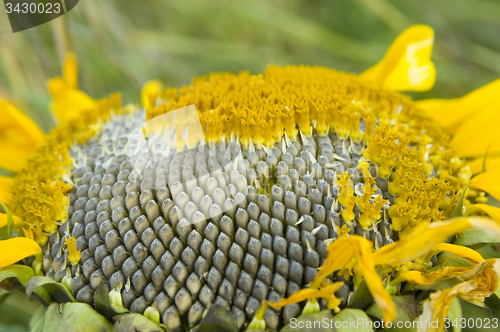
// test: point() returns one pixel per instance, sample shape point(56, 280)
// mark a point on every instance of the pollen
point(74, 255)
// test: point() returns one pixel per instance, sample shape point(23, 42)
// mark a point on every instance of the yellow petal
point(70, 71)
point(340, 254)
point(19, 137)
point(419, 278)
point(433, 106)
point(307, 294)
point(461, 273)
point(367, 267)
point(421, 242)
point(438, 305)
point(16, 249)
point(5, 196)
point(407, 64)
point(150, 91)
point(470, 104)
point(74, 255)
point(6, 184)
point(492, 211)
point(334, 262)
point(480, 286)
point(296, 297)
point(476, 165)
point(489, 182)
point(478, 134)
point(67, 102)
point(459, 251)
point(4, 220)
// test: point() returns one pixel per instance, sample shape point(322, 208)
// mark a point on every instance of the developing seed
point(219, 260)
point(183, 229)
point(193, 284)
point(207, 296)
point(264, 203)
point(85, 295)
point(279, 245)
point(188, 257)
point(199, 221)
point(214, 278)
point(295, 273)
point(266, 240)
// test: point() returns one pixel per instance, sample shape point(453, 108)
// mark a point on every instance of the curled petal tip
point(407, 64)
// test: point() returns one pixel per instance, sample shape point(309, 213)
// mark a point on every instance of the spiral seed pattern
point(183, 232)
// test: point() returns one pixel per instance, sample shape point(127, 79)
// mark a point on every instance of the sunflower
point(255, 201)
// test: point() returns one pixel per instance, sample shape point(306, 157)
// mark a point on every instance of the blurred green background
point(122, 44)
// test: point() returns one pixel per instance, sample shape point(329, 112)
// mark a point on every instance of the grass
point(120, 45)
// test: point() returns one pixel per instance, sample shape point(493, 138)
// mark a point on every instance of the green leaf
point(448, 259)
point(497, 292)
point(22, 273)
point(10, 220)
point(74, 317)
point(363, 322)
point(439, 284)
point(406, 311)
point(455, 313)
point(4, 234)
point(135, 322)
point(57, 291)
point(475, 238)
point(18, 276)
point(37, 320)
point(103, 305)
point(458, 211)
point(362, 298)
point(444, 259)
point(306, 323)
point(477, 303)
point(4, 295)
point(217, 319)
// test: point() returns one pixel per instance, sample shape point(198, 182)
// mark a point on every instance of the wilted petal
point(438, 305)
point(366, 266)
point(424, 239)
point(340, 255)
point(459, 251)
point(334, 262)
point(483, 282)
